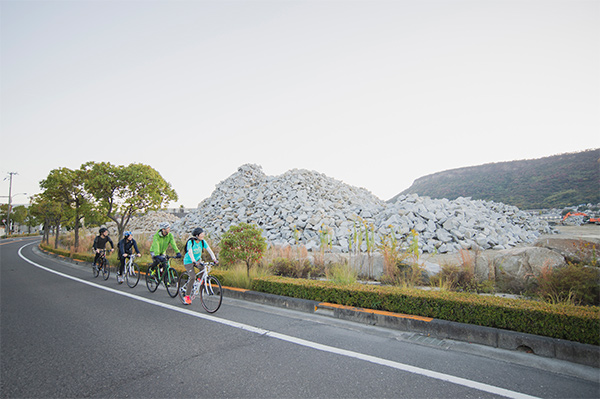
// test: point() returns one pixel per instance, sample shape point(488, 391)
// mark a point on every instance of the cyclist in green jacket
point(160, 242)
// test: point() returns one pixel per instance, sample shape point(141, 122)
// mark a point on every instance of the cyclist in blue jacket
point(126, 247)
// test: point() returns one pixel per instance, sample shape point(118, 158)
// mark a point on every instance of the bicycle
point(101, 265)
point(207, 286)
point(131, 271)
point(168, 276)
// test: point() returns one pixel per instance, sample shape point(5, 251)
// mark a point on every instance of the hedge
point(569, 322)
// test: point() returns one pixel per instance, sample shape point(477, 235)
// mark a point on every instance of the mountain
point(557, 181)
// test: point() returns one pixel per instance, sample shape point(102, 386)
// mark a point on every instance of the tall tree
point(66, 186)
point(123, 191)
point(48, 213)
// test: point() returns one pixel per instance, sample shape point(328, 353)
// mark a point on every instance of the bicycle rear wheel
point(184, 279)
point(211, 294)
point(152, 278)
point(105, 269)
point(132, 275)
point(95, 270)
point(171, 281)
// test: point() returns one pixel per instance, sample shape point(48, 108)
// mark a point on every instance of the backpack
point(185, 248)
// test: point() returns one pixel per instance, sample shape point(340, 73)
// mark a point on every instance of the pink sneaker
point(187, 300)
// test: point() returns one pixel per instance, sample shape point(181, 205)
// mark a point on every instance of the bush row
point(569, 322)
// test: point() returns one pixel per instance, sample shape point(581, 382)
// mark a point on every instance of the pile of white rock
point(303, 207)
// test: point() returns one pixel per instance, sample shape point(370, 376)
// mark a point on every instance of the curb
point(574, 352)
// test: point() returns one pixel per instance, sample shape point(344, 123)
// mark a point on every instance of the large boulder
point(513, 268)
point(575, 250)
point(484, 268)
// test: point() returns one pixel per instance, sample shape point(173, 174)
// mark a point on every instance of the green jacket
point(160, 243)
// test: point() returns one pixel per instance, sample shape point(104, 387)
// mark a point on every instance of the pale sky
point(373, 93)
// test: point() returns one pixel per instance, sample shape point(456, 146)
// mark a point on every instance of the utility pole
point(10, 175)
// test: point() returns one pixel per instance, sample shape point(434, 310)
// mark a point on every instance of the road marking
point(302, 342)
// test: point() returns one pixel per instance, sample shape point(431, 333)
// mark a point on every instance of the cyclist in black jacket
point(126, 247)
point(100, 243)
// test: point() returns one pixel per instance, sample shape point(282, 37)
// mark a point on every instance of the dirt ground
point(589, 232)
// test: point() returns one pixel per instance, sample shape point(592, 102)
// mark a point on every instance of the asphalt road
point(64, 333)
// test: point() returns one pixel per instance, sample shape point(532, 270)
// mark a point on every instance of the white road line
point(298, 341)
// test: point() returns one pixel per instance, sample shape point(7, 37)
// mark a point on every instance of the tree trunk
point(56, 236)
point(46, 232)
point(77, 226)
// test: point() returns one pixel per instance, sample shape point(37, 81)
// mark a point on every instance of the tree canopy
point(122, 191)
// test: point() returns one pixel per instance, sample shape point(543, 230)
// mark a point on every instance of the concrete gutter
point(574, 352)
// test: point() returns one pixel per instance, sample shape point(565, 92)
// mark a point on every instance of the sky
point(373, 93)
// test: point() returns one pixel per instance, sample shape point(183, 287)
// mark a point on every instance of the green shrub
point(342, 274)
point(298, 268)
point(242, 243)
point(575, 284)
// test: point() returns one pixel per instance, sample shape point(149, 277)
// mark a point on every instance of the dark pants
point(122, 266)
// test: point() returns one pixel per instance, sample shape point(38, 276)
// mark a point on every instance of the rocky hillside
point(308, 207)
point(551, 182)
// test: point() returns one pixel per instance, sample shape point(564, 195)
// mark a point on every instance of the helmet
point(197, 231)
point(164, 225)
point(103, 229)
point(127, 234)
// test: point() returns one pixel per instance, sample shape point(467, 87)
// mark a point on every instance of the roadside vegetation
point(100, 192)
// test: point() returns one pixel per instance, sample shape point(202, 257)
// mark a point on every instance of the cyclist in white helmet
point(160, 242)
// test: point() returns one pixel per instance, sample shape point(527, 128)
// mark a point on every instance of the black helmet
point(197, 231)
point(103, 229)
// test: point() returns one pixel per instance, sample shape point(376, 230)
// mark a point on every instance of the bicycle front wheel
point(152, 278)
point(132, 275)
point(211, 294)
point(184, 280)
point(171, 281)
point(105, 269)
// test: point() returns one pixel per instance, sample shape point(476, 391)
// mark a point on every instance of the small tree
point(243, 243)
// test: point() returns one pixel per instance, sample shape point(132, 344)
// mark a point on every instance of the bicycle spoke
point(132, 275)
point(105, 269)
point(152, 279)
point(171, 282)
point(211, 294)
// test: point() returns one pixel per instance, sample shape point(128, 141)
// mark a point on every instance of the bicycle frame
point(205, 285)
point(129, 263)
point(105, 269)
point(131, 271)
point(167, 266)
point(203, 280)
point(153, 281)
